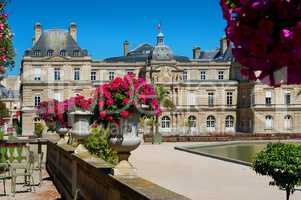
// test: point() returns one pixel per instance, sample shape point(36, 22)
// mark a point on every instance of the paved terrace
point(199, 177)
point(46, 191)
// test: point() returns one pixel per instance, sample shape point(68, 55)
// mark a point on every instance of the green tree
point(164, 101)
point(282, 162)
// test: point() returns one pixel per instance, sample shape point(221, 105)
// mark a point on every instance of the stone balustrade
point(86, 177)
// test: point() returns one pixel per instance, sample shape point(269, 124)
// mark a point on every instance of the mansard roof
point(56, 40)
point(140, 54)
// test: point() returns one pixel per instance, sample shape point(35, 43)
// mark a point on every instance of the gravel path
point(199, 177)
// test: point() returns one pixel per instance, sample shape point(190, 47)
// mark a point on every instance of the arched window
point(192, 121)
point(63, 53)
point(229, 121)
point(210, 121)
point(50, 53)
point(165, 122)
point(269, 122)
point(288, 124)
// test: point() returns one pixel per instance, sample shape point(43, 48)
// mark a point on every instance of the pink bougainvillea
point(123, 96)
point(266, 37)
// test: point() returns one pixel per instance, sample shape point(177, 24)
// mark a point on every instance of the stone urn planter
point(62, 132)
point(80, 128)
point(123, 140)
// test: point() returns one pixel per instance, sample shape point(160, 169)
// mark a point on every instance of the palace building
point(206, 89)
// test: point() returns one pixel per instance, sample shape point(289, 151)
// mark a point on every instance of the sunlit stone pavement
point(46, 191)
point(199, 177)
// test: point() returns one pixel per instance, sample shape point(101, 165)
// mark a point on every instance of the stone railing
point(84, 177)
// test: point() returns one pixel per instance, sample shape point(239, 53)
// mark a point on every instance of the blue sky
point(104, 25)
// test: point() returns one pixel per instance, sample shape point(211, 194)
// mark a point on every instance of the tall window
point(111, 75)
point(210, 99)
point(57, 74)
point(287, 98)
point(191, 99)
point(37, 73)
point(221, 75)
point(185, 75)
point(192, 121)
point(229, 98)
point(37, 100)
point(210, 121)
point(50, 53)
point(288, 122)
point(203, 75)
point(268, 98)
point(77, 74)
point(93, 75)
point(268, 122)
point(229, 121)
point(165, 122)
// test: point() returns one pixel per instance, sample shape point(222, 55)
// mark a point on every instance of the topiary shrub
point(282, 162)
point(98, 144)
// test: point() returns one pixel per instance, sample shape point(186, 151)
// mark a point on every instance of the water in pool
point(243, 152)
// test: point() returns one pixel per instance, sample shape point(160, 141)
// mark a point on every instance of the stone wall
point(91, 178)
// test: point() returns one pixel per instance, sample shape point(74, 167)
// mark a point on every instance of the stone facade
point(207, 89)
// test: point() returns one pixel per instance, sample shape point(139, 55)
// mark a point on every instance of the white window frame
point(229, 122)
point(57, 74)
point(76, 74)
point(229, 98)
point(221, 75)
point(286, 102)
point(111, 75)
point(210, 99)
point(203, 75)
point(268, 98)
point(288, 122)
point(269, 122)
point(165, 123)
point(185, 75)
point(93, 75)
point(37, 100)
point(37, 73)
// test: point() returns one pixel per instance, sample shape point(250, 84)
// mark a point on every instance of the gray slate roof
point(141, 54)
point(56, 40)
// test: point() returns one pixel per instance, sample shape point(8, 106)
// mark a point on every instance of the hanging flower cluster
point(123, 96)
point(55, 113)
point(266, 35)
point(6, 46)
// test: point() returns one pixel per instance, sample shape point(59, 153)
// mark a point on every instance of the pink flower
point(102, 114)
point(109, 102)
point(126, 101)
point(124, 114)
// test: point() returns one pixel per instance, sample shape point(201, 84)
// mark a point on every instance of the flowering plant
point(6, 47)
point(55, 113)
point(123, 96)
point(266, 37)
point(78, 102)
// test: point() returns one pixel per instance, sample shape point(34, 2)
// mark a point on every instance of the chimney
point(223, 45)
point(37, 32)
point(73, 31)
point(196, 52)
point(125, 48)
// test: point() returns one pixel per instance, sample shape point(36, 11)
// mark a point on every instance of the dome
point(162, 53)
